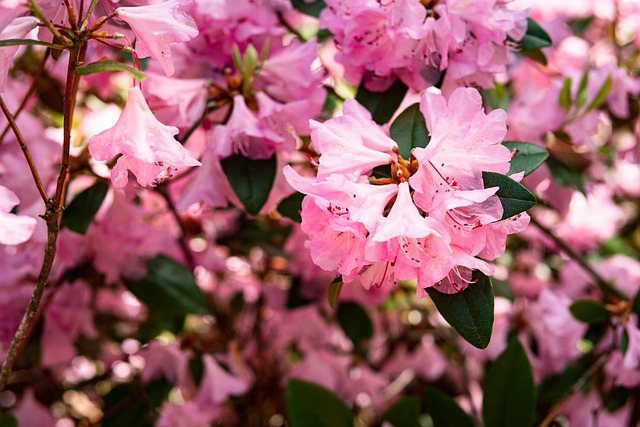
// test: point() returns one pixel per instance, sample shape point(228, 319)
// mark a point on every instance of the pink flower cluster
point(383, 40)
point(431, 219)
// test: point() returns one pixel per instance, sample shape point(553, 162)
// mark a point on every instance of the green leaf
point(497, 97)
point(169, 289)
point(310, 405)
point(535, 38)
point(565, 94)
point(469, 312)
point(382, 105)
point(409, 130)
point(536, 54)
point(444, 410)
point(8, 420)
point(312, 8)
point(333, 291)
point(109, 65)
point(601, 96)
point(554, 387)
point(355, 322)
point(528, 158)
point(515, 197)
point(564, 175)
point(581, 97)
point(509, 390)
point(403, 413)
point(250, 179)
point(128, 405)
point(635, 307)
point(80, 212)
point(590, 311)
point(23, 42)
point(291, 207)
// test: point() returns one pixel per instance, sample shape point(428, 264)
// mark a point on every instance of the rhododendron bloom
point(148, 147)
point(157, 26)
point(17, 29)
point(14, 229)
point(431, 218)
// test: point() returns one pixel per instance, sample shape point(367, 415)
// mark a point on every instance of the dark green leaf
point(444, 411)
point(109, 65)
point(536, 54)
point(310, 405)
point(80, 212)
point(291, 206)
point(333, 292)
point(469, 312)
point(615, 398)
point(515, 197)
point(590, 311)
point(528, 158)
point(535, 38)
point(382, 105)
point(581, 97)
point(169, 289)
point(312, 8)
point(564, 175)
point(382, 171)
point(409, 130)
point(509, 389)
point(355, 322)
point(129, 405)
point(565, 94)
point(554, 387)
point(8, 420)
point(250, 179)
point(601, 96)
point(403, 413)
point(635, 307)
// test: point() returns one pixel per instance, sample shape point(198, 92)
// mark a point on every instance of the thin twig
point(32, 89)
point(25, 150)
point(605, 286)
point(164, 192)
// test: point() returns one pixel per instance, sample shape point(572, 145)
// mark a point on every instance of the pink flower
point(217, 384)
point(14, 229)
point(157, 26)
point(17, 29)
point(148, 147)
point(432, 216)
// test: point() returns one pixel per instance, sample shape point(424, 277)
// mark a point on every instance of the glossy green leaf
point(444, 411)
point(169, 289)
point(333, 292)
point(590, 311)
point(311, 405)
point(565, 94)
point(601, 96)
point(581, 97)
point(251, 180)
point(312, 8)
point(382, 105)
point(109, 65)
point(83, 208)
point(291, 206)
point(515, 197)
point(564, 175)
point(537, 55)
point(509, 389)
point(24, 42)
point(528, 157)
point(8, 420)
point(403, 413)
point(409, 130)
point(469, 312)
point(535, 38)
point(355, 322)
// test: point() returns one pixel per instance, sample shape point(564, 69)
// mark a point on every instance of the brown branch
point(605, 286)
point(25, 150)
point(52, 216)
point(32, 89)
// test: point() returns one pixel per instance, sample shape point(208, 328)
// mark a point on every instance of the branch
point(25, 150)
point(605, 286)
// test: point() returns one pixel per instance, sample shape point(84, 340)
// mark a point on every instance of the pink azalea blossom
point(157, 26)
point(430, 218)
point(17, 29)
point(148, 147)
point(14, 229)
